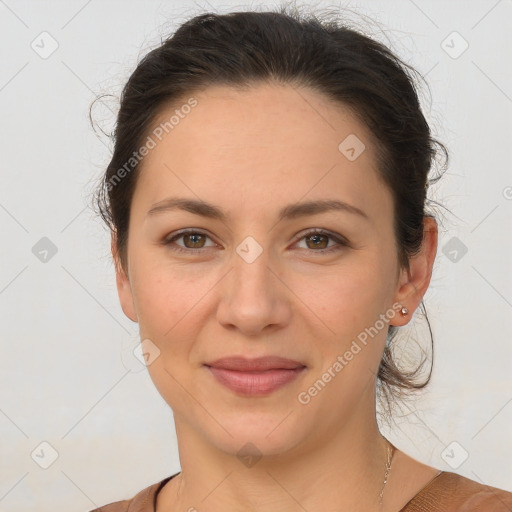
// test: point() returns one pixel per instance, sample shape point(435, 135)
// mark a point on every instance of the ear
point(415, 281)
point(124, 289)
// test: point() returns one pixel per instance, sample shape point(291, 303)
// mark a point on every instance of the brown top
point(447, 492)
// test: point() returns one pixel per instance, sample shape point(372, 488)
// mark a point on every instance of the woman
point(267, 198)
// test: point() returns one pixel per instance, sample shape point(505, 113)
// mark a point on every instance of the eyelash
point(339, 240)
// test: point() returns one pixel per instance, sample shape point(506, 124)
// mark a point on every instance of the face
point(249, 277)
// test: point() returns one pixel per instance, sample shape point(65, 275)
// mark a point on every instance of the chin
point(263, 433)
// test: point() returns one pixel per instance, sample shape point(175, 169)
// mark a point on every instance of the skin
point(251, 152)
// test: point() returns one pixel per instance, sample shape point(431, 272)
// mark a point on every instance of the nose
point(254, 300)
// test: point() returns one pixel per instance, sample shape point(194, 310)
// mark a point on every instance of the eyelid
point(340, 240)
point(168, 240)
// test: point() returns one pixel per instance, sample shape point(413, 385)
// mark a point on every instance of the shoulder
point(143, 501)
point(450, 491)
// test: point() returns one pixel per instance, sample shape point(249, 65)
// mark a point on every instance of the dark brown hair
point(243, 49)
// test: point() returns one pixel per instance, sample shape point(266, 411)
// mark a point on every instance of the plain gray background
point(68, 376)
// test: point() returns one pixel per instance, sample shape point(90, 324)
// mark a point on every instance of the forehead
point(241, 147)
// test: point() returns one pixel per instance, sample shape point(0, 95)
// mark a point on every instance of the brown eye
point(317, 241)
point(192, 241)
point(196, 240)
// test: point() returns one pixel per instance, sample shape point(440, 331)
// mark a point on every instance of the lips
point(259, 364)
point(255, 377)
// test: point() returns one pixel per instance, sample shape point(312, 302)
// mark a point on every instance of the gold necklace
point(390, 453)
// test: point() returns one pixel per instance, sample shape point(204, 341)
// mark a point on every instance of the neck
point(340, 468)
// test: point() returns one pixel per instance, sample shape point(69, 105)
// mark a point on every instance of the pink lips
point(255, 377)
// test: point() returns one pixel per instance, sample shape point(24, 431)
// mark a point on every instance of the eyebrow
point(292, 211)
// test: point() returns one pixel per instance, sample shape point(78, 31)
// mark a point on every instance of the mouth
point(255, 377)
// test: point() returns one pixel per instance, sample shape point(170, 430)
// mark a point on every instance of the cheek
point(160, 295)
point(171, 300)
point(345, 297)
point(165, 302)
